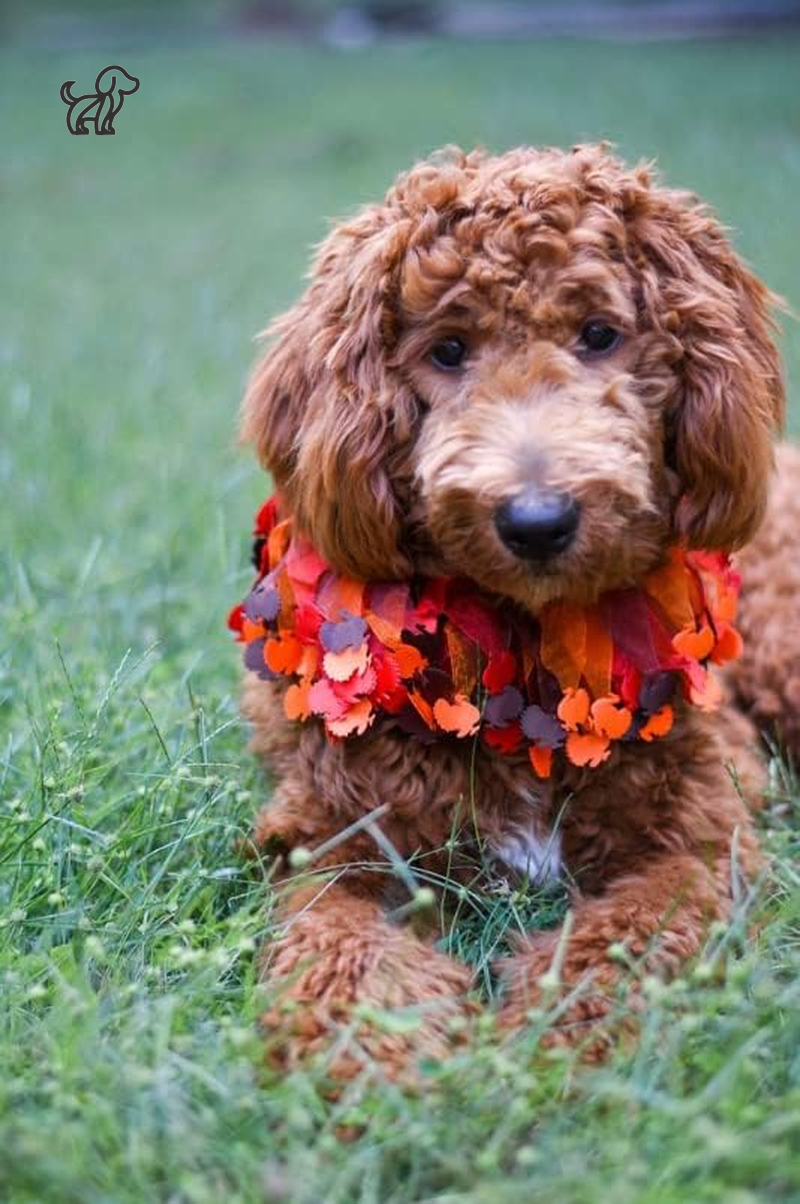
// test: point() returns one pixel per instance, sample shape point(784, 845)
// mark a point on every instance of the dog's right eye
point(448, 354)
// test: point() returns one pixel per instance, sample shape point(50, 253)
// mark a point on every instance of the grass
point(134, 276)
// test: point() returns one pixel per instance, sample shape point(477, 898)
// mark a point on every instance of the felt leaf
point(501, 709)
point(254, 660)
point(476, 620)
point(387, 676)
point(266, 517)
point(278, 541)
point(669, 587)
point(696, 644)
point(630, 622)
point(309, 661)
point(324, 702)
point(357, 686)
point(286, 591)
point(349, 633)
point(599, 656)
point(463, 661)
point(345, 594)
point(573, 710)
point(460, 717)
point(422, 707)
point(542, 760)
point(656, 691)
point(355, 722)
point(587, 748)
point(707, 693)
point(541, 727)
point(252, 631)
point(307, 623)
point(504, 739)
point(296, 703)
point(609, 719)
point(729, 646)
point(342, 665)
point(384, 629)
point(262, 603)
point(409, 660)
point(283, 654)
point(388, 603)
point(500, 672)
point(563, 642)
point(658, 724)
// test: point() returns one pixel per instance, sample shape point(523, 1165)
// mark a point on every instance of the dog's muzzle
point(538, 526)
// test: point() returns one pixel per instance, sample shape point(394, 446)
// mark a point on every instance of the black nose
point(537, 526)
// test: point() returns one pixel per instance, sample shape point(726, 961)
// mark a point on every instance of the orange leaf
point(341, 666)
point(278, 541)
point(409, 660)
point(283, 655)
point(573, 710)
point(696, 644)
point(384, 629)
point(610, 720)
point(599, 656)
point(295, 700)
point(669, 586)
point(251, 631)
point(286, 595)
point(346, 594)
point(587, 749)
point(707, 696)
point(658, 724)
point(563, 646)
point(309, 661)
point(729, 646)
point(459, 716)
point(357, 720)
point(541, 759)
point(463, 661)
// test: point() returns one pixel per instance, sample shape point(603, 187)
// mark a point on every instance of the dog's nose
point(538, 526)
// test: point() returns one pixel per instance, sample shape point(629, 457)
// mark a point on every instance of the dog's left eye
point(598, 338)
point(448, 354)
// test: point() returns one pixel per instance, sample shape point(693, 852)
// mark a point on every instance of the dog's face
point(536, 370)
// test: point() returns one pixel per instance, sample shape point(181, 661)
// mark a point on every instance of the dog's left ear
point(730, 402)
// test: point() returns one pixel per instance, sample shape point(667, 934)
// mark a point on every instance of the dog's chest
point(524, 841)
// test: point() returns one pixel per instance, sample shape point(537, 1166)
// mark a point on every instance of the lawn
point(135, 275)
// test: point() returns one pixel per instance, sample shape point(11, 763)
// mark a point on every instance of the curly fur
point(393, 468)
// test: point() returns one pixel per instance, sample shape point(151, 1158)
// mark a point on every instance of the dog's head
point(536, 370)
point(116, 79)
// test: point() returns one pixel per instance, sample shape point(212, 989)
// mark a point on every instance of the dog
point(111, 87)
point(520, 419)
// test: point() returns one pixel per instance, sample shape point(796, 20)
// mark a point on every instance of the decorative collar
point(440, 658)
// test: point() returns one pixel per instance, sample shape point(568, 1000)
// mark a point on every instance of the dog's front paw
point(571, 991)
point(410, 1004)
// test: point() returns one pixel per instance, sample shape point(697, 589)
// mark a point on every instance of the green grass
point(135, 274)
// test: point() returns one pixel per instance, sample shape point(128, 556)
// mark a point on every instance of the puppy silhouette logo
point(111, 87)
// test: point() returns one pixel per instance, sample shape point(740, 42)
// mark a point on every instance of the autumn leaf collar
point(439, 658)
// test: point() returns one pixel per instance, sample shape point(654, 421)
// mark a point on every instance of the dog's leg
point(654, 871)
point(338, 961)
point(655, 919)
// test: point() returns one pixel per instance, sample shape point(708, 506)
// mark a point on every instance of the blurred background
point(136, 272)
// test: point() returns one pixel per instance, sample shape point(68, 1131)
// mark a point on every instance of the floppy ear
point(329, 418)
point(730, 401)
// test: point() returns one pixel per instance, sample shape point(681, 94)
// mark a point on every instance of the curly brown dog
point(541, 372)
